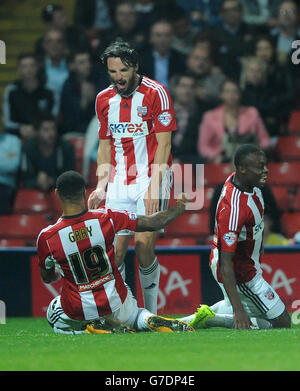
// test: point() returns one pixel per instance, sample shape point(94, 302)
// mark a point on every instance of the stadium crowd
point(227, 64)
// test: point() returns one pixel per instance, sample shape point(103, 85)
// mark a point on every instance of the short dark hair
point(70, 186)
point(78, 51)
point(128, 55)
point(230, 80)
point(23, 55)
point(243, 151)
point(43, 117)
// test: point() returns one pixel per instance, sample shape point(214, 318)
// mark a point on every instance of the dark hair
point(70, 186)
point(48, 11)
point(176, 78)
point(243, 151)
point(81, 50)
point(128, 55)
point(23, 55)
point(42, 117)
point(268, 38)
point(178, 13)
point(230, 80)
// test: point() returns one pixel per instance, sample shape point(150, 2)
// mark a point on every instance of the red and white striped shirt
point(82, 247)
point(239, 229)
point(131, 124)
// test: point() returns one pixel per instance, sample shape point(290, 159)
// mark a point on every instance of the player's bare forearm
point(161, 219)
point(103, 171)
point(103, 163)
point(159, 165)
point(161, 157)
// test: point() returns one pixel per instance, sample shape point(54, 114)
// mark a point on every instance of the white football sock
point(220, 320)
point(221, 307)
point(188, 318)
point(141, 321)
point(227, 320)
point(224, 318)
point(149, 279)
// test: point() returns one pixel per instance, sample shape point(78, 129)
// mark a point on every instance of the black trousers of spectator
point(7, 197)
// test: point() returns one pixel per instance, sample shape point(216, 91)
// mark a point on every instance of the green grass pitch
point(28, 344)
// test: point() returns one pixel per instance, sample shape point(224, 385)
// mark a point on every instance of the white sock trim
point(149, 269)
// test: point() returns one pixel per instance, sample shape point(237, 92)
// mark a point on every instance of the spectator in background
point(54, 65)
point(209, 77)
point(279, 78)
point(10, 154)
point(79, 92)
point(287, 31)
point(225, 128)
point(162, 62)
point(125, 27)
point(234, 37)
point(184, 35)
point(54, 17)
point(205, 39)
point(203, 13)
point(188, 113)
point(94, 16)
point(148, 11)
point(261, 13)
point(257, 92)
point(45, 156)
point(91, 145)
point(26, 98)
point(272, 238)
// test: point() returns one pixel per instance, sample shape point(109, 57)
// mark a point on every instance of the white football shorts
point(131, 197)
point(61, 323)
point(258, 298)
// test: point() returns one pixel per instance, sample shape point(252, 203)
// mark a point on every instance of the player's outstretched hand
point(182, 198)
point(95, 198)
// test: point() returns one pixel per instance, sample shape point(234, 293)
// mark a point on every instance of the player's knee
point(144, 249)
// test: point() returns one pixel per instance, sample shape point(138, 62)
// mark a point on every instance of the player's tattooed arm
point(161, 219)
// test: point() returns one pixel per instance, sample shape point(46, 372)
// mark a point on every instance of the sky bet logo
point(128, 129)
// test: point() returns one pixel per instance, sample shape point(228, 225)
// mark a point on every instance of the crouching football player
point(249, 301)
point(79, 248)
